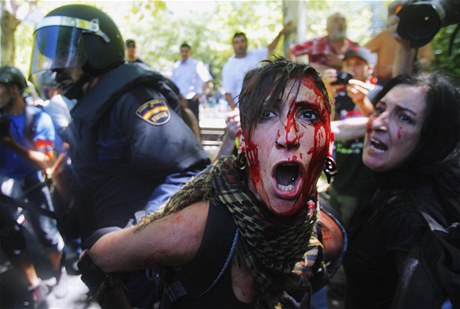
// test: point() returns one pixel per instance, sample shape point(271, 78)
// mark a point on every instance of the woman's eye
point(266, 114)
point(405, 118)
point(309, 115)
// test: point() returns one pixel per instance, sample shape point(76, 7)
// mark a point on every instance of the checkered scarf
point(279, 252)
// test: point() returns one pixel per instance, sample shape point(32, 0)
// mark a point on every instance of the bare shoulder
point(333, 238)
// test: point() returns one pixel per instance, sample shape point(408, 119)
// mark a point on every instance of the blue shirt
point(12, 164)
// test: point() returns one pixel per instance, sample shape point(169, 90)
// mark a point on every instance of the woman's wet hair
point(440, 133)
point(266, 84)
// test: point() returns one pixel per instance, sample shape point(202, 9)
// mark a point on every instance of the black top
point(214, 256)
point(370, 262)
point(390, 227)
point(353, 177)
point(126, 137)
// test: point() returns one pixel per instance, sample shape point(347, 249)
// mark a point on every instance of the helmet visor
point(57, 47)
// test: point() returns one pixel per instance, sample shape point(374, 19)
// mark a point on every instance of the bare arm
point(229, 98)
point(271, 47)
point(350, 128)
point(228, 142)
point(404, 62)
point(172, 240)
point(39, 159)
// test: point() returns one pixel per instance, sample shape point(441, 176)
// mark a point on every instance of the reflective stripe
point(86, 25)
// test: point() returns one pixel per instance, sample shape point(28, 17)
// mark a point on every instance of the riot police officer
point(127, 137)
point(130, 148)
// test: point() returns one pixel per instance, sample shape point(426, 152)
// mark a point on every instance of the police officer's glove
point(92, 275)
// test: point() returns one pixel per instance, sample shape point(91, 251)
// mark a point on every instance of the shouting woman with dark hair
point(261, 205)
point(412, 145)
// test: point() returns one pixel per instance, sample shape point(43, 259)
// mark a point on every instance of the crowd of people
point(110, 165)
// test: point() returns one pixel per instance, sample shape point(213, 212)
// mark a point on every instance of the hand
point(393, 20)
point(357, 91)
point(329, 76)
point(233, 123)
point(287, 27)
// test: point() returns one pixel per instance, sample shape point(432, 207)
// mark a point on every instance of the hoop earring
point(330, 169)
point(241, 162)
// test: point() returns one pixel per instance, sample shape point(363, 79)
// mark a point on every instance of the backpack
point(439, 254)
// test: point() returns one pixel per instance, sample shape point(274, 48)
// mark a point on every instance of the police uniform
point(127, 138)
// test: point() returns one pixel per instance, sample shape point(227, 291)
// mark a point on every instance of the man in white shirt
point(244, 60)
point(191, 77)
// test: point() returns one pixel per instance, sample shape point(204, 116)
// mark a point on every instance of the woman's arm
point(172, 240)
point(350, 128)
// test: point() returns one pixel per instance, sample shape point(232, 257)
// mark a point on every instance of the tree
point(12, 13)
point(450, 64)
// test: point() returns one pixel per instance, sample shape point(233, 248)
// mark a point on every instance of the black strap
point(441, 256)
point(212, 260)
point(8, 201)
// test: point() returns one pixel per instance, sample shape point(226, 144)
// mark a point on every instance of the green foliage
point(159, 30)
point(450, 64)
point(209, 33)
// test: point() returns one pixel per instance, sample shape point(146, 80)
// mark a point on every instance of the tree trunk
point(295, 11)
point(9, 24)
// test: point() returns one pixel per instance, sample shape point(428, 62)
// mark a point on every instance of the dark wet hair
point(269, 80)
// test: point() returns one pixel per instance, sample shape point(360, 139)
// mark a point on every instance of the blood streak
point(291, 124)
point(399, 132)
point(252, 155)
point(369, 126)
point(318, 152)
point(310, 84)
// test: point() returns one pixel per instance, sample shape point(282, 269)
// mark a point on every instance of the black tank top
point(218, 240)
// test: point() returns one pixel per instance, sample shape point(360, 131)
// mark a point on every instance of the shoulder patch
point(155, 112)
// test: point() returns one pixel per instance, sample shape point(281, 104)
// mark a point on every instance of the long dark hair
point(437, 155)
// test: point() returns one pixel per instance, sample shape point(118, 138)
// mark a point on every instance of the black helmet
point(10, 75)
point(75, 36)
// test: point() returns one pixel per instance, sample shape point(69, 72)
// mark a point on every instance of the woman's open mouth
point(287, 179)
point(378, 145)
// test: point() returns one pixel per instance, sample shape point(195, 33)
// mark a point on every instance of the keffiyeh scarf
point(279, 252)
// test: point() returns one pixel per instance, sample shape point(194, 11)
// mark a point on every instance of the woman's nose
point(288, 137)
point(379, 123)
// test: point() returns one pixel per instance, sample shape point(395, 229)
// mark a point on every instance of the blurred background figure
point(27, 150)
point(192, 78)
point(326, 52)
point(131, 52)
point(244, 60)
point(386, 47)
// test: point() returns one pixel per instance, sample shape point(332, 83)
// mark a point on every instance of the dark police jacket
point(126, 137)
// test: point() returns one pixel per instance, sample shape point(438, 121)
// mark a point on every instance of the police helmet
point(75, 36)
point(12, 76)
